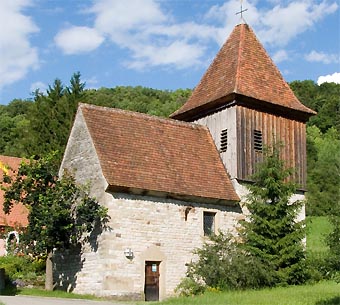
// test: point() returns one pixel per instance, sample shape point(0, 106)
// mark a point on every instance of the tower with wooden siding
point(246, 104)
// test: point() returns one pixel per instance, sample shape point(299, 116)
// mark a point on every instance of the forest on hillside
point(36, 126)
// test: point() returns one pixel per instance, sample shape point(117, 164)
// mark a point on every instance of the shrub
point(223, 264)
point(23, 268)
point(188, 287)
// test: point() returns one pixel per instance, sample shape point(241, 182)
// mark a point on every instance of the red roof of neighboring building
point(143, 152)
point(18, 215)
point(242, 67)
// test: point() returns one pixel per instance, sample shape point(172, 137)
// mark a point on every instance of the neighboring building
point(10, 224)
point(167, 183)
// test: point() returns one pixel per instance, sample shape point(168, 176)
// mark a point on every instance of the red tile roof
point(142, 152)
point(18, 215)
point(242, 67)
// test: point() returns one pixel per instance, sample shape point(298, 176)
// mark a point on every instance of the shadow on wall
point(66, 265)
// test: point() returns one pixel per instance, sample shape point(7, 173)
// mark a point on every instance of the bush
point(223, 264)
point(188, 287)
point(25, 269)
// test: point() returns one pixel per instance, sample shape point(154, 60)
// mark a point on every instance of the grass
point(55, 293)
point(317, 229)
point(325, 293)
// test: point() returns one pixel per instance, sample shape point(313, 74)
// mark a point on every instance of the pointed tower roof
point(242, 71)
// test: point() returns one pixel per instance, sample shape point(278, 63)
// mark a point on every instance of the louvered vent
point(224, 140)
point(257, 140)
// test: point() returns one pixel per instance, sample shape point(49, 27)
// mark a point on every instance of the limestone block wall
point(155, 230)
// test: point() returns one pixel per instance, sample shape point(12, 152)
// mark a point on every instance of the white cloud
point(42, 87)
point(331, 78)
point(78, 39)
point(153, 37)
point(178, 53)
point(17, 56)
point(117, 15)
point(281, 24)
point(322, 57)
point(91, 83)
point(280, 56)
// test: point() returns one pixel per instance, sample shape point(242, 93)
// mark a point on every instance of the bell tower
point(246, 104)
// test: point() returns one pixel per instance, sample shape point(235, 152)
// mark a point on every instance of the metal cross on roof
point(241, 12)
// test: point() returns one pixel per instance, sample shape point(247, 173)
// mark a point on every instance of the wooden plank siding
point(274, 128)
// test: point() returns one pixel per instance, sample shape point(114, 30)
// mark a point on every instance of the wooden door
point(151, 289)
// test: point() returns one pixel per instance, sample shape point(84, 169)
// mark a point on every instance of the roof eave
point(176, 196)
point(242, 100)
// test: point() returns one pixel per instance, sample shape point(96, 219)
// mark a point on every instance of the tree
point(324, 99)
point(272, 232)
point(224, 264)
point(269, 250)
point(323, 171)
point(51, 116)
point(61, 213)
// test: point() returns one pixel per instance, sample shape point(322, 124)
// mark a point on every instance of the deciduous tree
point(61, 213)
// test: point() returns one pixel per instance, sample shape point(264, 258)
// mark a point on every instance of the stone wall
point(155, 230)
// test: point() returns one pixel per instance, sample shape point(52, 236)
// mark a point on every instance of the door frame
point(154, 254)
point(158, 265)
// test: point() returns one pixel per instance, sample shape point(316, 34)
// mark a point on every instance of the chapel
point(170, 183)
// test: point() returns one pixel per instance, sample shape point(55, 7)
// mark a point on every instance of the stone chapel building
point(168, 183)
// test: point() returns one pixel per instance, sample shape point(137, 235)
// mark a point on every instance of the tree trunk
point(49, 272)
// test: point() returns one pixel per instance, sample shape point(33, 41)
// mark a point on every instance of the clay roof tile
point(242, 67)
point(18, 215)
point(144, 152)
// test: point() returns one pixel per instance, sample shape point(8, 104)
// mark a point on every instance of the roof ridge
point(239, 53)
point(144, 116)
point(242, 66)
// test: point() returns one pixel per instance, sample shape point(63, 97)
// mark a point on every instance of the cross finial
point(241, 12)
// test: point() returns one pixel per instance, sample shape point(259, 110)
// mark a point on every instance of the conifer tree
point(272, 232)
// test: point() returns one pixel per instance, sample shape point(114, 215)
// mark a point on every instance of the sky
point(160, 44)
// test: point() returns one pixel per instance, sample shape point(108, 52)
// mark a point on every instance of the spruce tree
point(272, 232)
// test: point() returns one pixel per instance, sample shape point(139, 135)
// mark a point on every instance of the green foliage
point(270, 250)
point(189, 287)
point(51, 117)
point(324, 99)
point(43, 125)
point(317, 228)
point(324, 293)
point(223, 264)
point(24, 268)
point(271, 233)
point(333, 241)
point(139, 99)
point(60, 211)
point(323, 171)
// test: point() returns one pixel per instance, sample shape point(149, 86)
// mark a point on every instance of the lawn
point(317, 229)
point(325, 293)
point(55, 294)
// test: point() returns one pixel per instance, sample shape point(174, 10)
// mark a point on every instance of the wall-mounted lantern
point(128, 253)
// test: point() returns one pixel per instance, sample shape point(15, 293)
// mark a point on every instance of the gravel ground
point(28, 300)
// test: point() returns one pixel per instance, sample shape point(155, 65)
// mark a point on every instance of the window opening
point(258, 140)
point(208, 223)
point(224, 140)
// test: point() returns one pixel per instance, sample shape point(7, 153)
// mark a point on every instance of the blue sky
point(165, 44)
